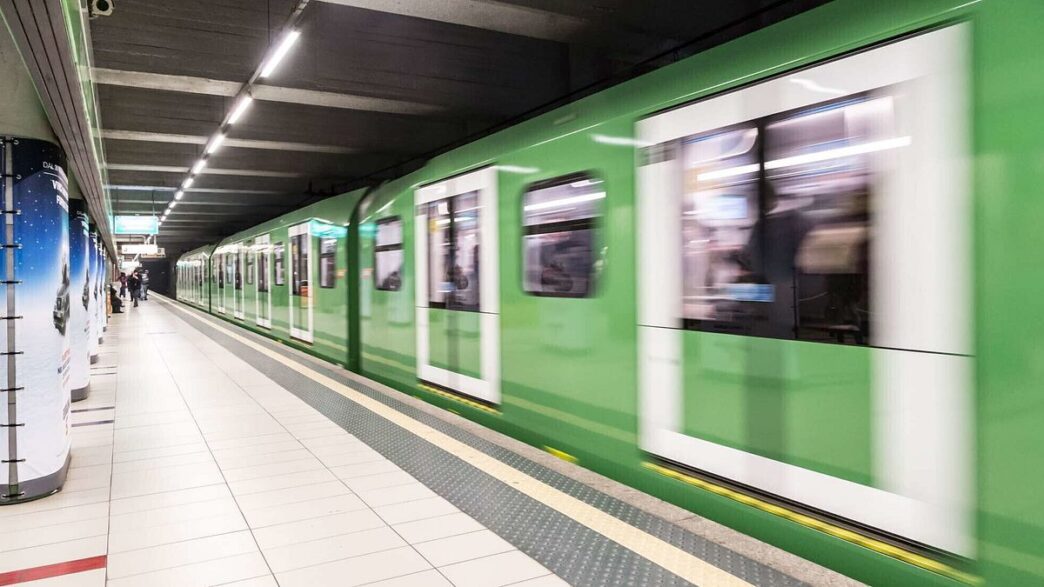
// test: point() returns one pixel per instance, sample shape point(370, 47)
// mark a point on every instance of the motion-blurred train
point(784, 283)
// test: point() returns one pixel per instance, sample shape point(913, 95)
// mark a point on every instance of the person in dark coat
point(134, 285)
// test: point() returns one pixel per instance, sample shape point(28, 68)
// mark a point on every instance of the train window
point(219, 268)
point(453, 252)
point(249, 265)
point(327, 262)
point(237, 269)
point(388, 255)
point(299, 264)
point(279, 264)
point(559, 218)
point(262, 268)
point(776, 223)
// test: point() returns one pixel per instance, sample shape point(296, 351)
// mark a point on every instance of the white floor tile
point(306, 554)
point(187, 530)
point(282, 497)
point(53, 534)
point(204, 574)
point(316, 528)
point(49, 554)
point(463, 547)
point(415, 510)
point(165, 499)
point(391, 495)
point(357, 570)
point(179, 554)
point(494, 571)
point(429, 578)
point(303, 510)
point(440, 527)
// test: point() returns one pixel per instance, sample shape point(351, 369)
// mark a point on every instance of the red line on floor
point(55, 570)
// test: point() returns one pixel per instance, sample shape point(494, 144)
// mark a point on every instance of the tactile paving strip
point(572, 551)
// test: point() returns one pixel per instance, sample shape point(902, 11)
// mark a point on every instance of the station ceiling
point(372, 88)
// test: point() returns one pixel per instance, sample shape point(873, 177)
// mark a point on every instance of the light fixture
point(187, 183)
point(240, 108)
point(171, 205)
point(280, 52)
point(199, 166)
point(564, 202)
point(216, 143)
point(850, 151)
point(178, 194)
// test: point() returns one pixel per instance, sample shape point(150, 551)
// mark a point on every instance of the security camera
point(101, 8)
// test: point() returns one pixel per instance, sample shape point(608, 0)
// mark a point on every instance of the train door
point(301, 291)
point(218, 267)
point(262, 252)
point(230, 280)
point(458, 289)
point(803, 289)
point(237, 277)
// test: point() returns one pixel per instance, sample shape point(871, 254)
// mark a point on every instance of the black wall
point(159, 276)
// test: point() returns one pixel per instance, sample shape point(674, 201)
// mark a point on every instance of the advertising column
point(99, 293)
point(80, 290)
point(94, 333)
point(35, 313)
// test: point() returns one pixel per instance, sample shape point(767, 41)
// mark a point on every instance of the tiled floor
point(212, 474)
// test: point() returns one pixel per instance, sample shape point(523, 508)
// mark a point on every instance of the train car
point(774, 283)
point(287, 278)
point(192, 274)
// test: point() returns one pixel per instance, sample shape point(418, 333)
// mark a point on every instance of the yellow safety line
point(656, 550)
point(845, 534)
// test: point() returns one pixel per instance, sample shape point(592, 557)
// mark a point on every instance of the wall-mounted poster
point(34, 319)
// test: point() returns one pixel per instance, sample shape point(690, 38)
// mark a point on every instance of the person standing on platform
point(134, 284)
point(145, 284)
point(123, 284)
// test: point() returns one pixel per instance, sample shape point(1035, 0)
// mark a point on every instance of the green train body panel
point(569, 366)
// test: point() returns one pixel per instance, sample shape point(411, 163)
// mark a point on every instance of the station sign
point(135, 225)
point(139, 249)
point(160, 253)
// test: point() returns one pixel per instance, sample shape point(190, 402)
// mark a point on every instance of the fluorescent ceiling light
point(565, 202)
point(838, 153)
point(216, 143)
point(728, 172)
point(172, 204)
point(240, 108)
point(187, 183)
point(280, 52)
point(178, 194)
point(199, 166)
point(620, 141)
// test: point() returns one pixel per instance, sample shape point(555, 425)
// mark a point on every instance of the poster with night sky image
point(80, 292)
point(42, 304)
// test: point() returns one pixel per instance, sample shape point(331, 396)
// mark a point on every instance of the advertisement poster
point(94, 332)
point(80, 292)
point(99, 293)
point(34, 366)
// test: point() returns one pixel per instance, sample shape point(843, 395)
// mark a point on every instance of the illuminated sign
point(135, 225)
point(139, 249)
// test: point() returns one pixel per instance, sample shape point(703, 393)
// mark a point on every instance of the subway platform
point(207, 455)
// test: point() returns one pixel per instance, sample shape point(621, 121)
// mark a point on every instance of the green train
point(784, 283)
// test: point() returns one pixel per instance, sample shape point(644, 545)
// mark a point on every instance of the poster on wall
point(80, 292)
point(34, 366)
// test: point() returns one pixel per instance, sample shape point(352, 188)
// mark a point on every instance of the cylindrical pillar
point(80, 290)
point(94, 329)
point(99, 289)
point(35, 309)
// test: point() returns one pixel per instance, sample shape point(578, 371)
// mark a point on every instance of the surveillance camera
point(101, 8)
